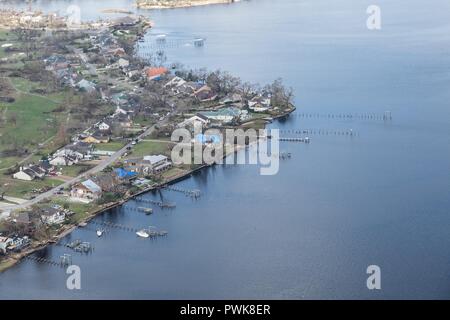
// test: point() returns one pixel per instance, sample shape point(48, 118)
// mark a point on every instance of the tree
point(222, 82)
point(280, 95)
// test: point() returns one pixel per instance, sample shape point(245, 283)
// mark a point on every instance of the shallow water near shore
point(340, 204)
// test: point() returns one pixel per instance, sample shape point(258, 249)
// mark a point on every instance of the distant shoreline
point(142, 4)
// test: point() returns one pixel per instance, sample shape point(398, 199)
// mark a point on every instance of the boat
point(143, 233)
point(147, 211)
point(99, 233)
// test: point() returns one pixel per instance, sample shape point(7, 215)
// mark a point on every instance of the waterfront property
point(86, 191)
point(225, 115)
point(148, 165)
point(52, 215)
point(197, 120)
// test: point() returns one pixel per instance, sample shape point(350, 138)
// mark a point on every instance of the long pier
point(65, 260)
point(195, 193)
point(157, 203)
point(115, 226)
point(340, 132)
point(386, 116)
point(305, 140)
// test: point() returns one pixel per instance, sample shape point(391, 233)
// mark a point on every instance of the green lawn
point(29, 122)
point(23, 189)
point(5, 37)
point(145, 148)
point(81, 210)
point(75, 170)
point(111, 146)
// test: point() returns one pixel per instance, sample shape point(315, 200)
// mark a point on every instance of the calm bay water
point(340, 204)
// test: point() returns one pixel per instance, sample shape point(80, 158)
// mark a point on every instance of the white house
point(86, 191)
point(63, 160)
point(197, 119)
point(24, 174)
point(175, 82)
point(30, 173)
point(123, 63)
point(103, 126)
point(53, 215)
point(4, 243)
point(148, 164)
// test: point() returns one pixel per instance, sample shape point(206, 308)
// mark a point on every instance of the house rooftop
point(91, 186)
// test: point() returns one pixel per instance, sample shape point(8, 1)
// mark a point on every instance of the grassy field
point(81, 210)
point(28, 121)
point(111, 146)
point(75, 170)
point(33, 124)
point(5, 37)
point(24, 189)
point(145, 148)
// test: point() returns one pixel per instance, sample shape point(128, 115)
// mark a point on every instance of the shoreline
point(16, 258)
point(181, 4)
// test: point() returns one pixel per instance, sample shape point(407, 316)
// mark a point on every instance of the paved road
point(102, 165)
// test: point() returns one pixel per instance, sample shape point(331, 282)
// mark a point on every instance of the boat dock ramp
point(386, 116)
point(194, 193)
point(304, 140)
point(157, 203)
point(345, 132)
point(127, 228)
point(65, 260)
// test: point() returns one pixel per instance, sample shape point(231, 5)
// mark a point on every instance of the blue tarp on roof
point(124, 174)
point(207, 138)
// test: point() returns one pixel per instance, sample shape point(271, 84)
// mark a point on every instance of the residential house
point(175, 84)
point(97, 137)
point(86, 191)
point(123, 63)
point(155, 73)
point(19, 243)
point(24, 174)
point(64, 160)
point(5, 242)
point(83, 148)
point(52, 215)
point(188, 88)
point(125, 175)
point(204, 94)
point(71, 154)
point(231, 98)
point(148, 164)
point(30, 172)
point(123, 120)
point(38, 170)
point(260, 104)
point(224, 115)
point(103, 126)
point(107, 182)
point(199, 120)
point(85, 85)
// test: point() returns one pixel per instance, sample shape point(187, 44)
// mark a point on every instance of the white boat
point(99, 233)
point(143, 233)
